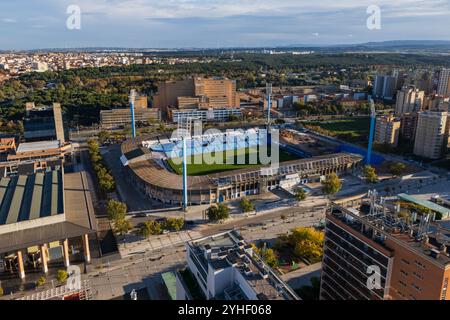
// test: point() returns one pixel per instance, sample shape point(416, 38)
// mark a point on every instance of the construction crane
point(133, 119)
point(372, 130)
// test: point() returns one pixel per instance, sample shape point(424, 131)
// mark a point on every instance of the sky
point(37, 24)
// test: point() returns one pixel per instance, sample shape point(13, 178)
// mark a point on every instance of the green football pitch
point(197, 167)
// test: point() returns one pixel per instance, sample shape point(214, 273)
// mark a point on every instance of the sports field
point(197, 166)
point(356, 127)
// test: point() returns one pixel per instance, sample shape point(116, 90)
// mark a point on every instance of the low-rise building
point(225, 267)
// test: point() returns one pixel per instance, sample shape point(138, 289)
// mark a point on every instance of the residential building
point(408, 125)
point(371, 253)
point(443, 88)
point(225, 267)
point(431, 134)
point(384, 87)
point(409, 99)
point(387, 130)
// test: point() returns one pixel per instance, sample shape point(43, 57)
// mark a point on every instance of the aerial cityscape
point(196, 152)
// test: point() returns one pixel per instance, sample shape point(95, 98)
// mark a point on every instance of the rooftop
point(31, 197)
point(420, 235)
point(425, 203)
point(38, 146)
point(228, 250)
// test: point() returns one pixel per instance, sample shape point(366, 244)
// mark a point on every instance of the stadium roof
point(31, 197)
point(425, 203)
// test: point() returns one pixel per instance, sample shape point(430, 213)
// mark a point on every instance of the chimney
point(425, 240)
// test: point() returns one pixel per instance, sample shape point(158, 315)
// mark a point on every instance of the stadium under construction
point(148, 165)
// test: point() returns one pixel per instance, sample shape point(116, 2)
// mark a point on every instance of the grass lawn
point(197, 166)
point(356, 127)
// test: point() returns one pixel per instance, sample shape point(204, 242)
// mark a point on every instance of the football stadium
point(223, 165)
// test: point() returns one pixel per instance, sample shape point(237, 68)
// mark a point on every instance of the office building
point(431, 134)
point(225, 267)
point(121, 118)
point(196, 93)
point(43, 123)
point(371, 253)
point(409, 99)
point(387, 130)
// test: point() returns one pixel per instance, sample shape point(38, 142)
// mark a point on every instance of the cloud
point(8, 20)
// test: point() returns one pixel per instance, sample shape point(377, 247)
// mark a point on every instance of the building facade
point(407, 263)
point(409, 99)
point(431, 134)
point(387, 130)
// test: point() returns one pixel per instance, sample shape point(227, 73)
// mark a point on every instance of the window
point(416, 287)
point(418, 276)
point(419, 264)
point(403, 272)
point(402, 283)
point(405, 261)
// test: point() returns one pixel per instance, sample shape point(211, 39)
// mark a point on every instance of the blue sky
point(27, 24)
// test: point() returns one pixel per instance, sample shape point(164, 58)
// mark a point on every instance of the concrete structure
point(431, 134)
point(121, 118)
point(387, 130)
point(408, 261)
point(40, 150)
point(408, 125)
point(444, 83)
point(227, 268)
point(45, 220)
point(205, 115)
point(409, 99)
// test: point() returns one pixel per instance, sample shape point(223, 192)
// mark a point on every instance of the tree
point(103, 136)
point(397, 168)
point(173, 224)
point(332, 184)
point(117, 212)
point(307, 243)
point(370, 174)
point(311, 292)
point(300, 194)
point(1, 292)
point(122, 226)
point(218, 212)
point(267, 255)
point(246, 205)
point(61, 276)
point(150, 228)
point(40, 282)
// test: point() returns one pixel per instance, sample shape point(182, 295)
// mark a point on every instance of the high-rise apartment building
point(408, 126)
point(431, 134)
point(384, 87)
point(376, 255)
point(409, 99)
point(443, 88)
point(387, 130)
